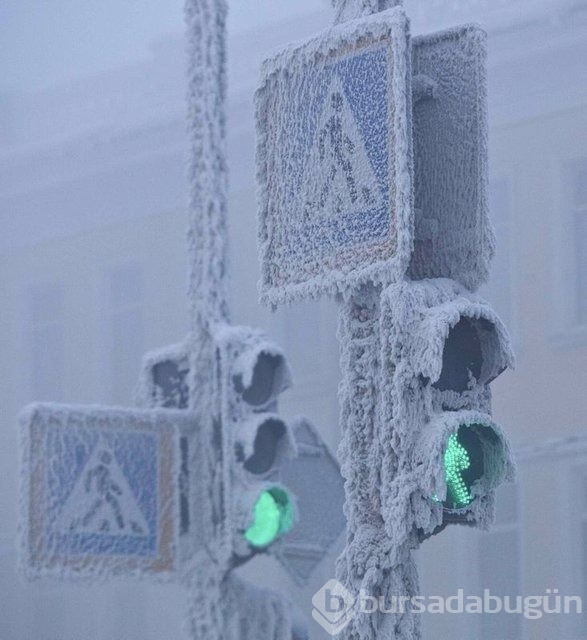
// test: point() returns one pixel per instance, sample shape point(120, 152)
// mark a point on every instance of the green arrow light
point(456, 460)
point(272, 517)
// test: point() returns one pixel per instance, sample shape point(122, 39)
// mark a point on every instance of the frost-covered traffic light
point(253, 372)
point(254, 449)
point(228, 480)
point(251, 441)
point(441, 348)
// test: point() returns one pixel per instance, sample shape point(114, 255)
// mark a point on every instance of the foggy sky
point(46, 42)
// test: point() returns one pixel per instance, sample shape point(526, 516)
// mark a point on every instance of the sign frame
point(306, 260)
point(39, 558)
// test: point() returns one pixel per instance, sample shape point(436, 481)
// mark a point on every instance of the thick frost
point(252, 613)
point(99, 491)
point(395, 426)
point(334, 161)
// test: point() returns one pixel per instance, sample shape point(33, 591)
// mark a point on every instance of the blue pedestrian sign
point(334, 160)
point(102, 494)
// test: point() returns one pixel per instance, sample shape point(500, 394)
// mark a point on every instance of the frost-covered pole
point(207, 238)
point(221, 606)
point(207, 172)
point(370, 561)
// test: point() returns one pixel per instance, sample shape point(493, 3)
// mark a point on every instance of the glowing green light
point(272, 517)
point(456, 460)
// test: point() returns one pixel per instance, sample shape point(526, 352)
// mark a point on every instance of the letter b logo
point(333, 607)
point(334, 603)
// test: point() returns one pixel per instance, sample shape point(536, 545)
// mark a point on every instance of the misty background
point(93, 273)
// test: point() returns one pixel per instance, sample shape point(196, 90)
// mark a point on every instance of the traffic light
point(250, 373)
point(229, 480)
point(253, 372)
point(164, 378)
point(441, 348)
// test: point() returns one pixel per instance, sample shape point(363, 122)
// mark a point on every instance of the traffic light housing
point(253, 372)
point(441, 348)
point(164, 382)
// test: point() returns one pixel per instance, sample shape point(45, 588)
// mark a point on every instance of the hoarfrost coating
point(336, 216)
point(337, 165)
point(334, 161)
point(98, 491)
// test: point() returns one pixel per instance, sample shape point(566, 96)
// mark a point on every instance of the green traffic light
point(456, 460)
point(272, 517)
point(463, 466)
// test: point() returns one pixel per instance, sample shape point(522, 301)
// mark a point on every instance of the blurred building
point(93, 261)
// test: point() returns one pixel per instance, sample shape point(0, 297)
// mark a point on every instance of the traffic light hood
point(263, 442)
point(461, 457)
point(261, 372)
point(451, 331)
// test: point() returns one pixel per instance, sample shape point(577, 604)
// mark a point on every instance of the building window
point(578, 191)
point(126, 330)
point(498, 290)
point(46, 341)
point(499, 565)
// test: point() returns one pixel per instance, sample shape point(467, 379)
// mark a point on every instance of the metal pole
point(207, 168)
point(371, 561)
point(207, 240)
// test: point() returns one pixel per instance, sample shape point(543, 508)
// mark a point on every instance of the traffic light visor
point(450, 337)
point(260, 375)
point(463, 455)
point(263, 442)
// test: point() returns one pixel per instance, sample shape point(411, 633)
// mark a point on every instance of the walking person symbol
point(102, 501)
point(339, 176)
point(108, 492)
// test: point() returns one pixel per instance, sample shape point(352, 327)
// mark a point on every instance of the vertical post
point(371, 562)
point(207, 239)
point(207, 170)
point(358, 334)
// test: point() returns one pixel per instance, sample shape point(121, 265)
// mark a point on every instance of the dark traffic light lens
point(462, 357)
point(463, 466)
point(272, 517)
point(266, 380)
point(266, 447)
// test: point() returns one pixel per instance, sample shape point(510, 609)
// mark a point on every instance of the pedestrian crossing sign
point(334, 160)
point(100, 490)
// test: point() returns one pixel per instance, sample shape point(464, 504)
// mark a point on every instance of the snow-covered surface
point(148, 393)
point(394, 429)
point(452, 237)
point(363, 562)
point(99, 491)
point(310, 241)
point(349, 9)
point(320, 224)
